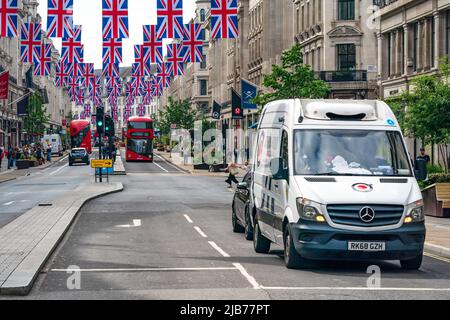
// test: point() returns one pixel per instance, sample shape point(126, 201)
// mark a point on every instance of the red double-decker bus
point(80, 134)
point(139, 143)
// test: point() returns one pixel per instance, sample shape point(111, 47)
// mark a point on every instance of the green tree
point(176, 112)
point(293, 79)
point(424, 112)
point(35, 120)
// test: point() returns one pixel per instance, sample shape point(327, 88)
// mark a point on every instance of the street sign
point(106, 163)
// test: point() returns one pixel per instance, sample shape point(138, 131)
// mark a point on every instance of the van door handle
point(276, 186)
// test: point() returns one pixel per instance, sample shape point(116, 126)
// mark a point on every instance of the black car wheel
point(236, 226)
point(412, 264)
point(292, 258)
point(260, 243)
point(248, 226)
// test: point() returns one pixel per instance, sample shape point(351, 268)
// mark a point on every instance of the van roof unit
point(344, 110)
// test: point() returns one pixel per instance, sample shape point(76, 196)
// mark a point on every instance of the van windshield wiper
point(339, 174)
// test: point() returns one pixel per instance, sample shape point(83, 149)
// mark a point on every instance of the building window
point(415, 45)
point(203, 63)
point(346, 57)
point(202, 15)
point(202, 35)
point(203, 87)
point(346, 9)
point(447, 28)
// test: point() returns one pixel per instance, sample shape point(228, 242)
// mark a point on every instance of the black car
point(78, 155)
point(241, 214)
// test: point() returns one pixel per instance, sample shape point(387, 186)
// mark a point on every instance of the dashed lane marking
point(58, 170)
point(188, 218)
point(200, 232)
point(218, 249)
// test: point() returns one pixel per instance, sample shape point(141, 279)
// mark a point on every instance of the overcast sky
point(88, 14)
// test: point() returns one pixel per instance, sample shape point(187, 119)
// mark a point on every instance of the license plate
point(78, 160)
point(366, 246)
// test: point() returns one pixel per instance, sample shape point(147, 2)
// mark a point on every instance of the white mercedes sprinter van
point(333, 180)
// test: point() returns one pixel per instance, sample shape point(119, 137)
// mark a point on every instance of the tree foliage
point(424, 111)
point(176, 112)
point(35, 120)
point(293, 79)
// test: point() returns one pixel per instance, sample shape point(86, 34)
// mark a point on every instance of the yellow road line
point(436, 257)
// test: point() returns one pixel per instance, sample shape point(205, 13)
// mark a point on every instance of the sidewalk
point(27, 242)
point(12, 174)
point(438, 236)
point(178, 161)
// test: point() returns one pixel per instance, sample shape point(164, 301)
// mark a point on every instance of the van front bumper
point(319, 241)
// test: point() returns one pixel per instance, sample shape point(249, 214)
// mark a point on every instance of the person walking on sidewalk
point(1, 157)
point(49, 152)
point(10, 156)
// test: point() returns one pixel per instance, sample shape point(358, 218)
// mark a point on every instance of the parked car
point(241, 216)
point(332, 180)
point(79, 155)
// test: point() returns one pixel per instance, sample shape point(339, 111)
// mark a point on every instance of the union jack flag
point(141, 110)
point(112, 51)
point(82, 115)
point(110, 70)
point(175, 60)
point(112, 101)
point(88, 74)
point(97, 101)
point(157, 87)
point(30, 42)
point(153, 44)
point(75, 70)
point(87, 109)
point(95, 88)
point(43, 65)
point(138, 84)
point(224, 17)
point(163, 73)
point(73, 85)
point(61, 74)
point(9, 12)
point(130, 92)
point(170, 19)
point(79, 97)
point(59, 18)
point(93, 120)
point(72, 48)
point(115, 115)
point(147, 92)
point(140, 70)
point(114, 86)
point(76, 116)
point(115, 19)
point(193, 43)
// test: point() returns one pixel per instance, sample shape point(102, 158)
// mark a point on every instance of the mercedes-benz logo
point(367, 214)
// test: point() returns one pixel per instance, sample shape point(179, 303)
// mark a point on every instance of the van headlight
point(309, 210)
point(415, 212)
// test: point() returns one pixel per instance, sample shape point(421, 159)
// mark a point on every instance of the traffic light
point(109, 126)
point(100, 120)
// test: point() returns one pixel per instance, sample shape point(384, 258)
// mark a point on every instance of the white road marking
point(8, 203)
point(247, 276)
point(63, 158)
point(170, 164)
point(136, 223)
point(160, 167)
point(215, 246)
point(200, 232)
point(354, 288)
point(143, 269)
point(188, 218)
point(58, 170)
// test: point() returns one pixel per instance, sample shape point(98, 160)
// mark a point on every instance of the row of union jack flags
point(79, 77)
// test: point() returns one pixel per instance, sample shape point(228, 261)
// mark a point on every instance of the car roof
point(78, 149)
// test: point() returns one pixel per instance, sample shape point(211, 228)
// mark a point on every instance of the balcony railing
point(343, 76)
point(383, 3)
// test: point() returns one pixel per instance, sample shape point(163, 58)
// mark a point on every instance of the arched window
point(202, 15)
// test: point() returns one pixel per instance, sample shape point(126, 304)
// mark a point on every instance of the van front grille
point(348, 214)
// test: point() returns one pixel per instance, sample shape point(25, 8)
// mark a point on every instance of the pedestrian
point(233, 170)
point(186, 155)
point(1, 157)
point(10, 154)
point(49, 152)
point(14, 157)
point(424, 156)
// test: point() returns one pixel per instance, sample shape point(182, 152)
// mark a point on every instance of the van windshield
point(350, 152)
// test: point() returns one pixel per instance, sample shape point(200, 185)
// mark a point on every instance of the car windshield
point(78, 151)
point(350, 152)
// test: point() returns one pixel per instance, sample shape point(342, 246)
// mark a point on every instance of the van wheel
point(248, 226)
point(292, 258)
point(412, 264)
point(260, 243)
point(237, 228)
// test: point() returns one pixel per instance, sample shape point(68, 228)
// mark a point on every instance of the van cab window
point(284, 154)
point(350, 152)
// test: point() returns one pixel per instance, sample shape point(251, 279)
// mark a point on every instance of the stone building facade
point(338, 41)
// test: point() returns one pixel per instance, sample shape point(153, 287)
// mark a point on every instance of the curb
point(9, 179)
point(437, 250)
point(174, 164)
point(21, 280)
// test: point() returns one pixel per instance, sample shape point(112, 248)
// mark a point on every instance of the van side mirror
point(277, 167)
point(421, 169)
point(242, 186)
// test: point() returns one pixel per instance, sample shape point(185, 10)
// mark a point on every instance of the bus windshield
point(350, 152)
point(140, 125)
point(143, 147)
